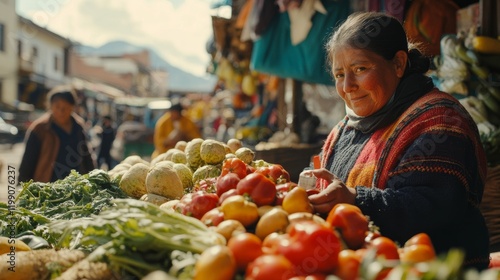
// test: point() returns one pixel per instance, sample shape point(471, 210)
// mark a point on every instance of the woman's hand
point(336, 192)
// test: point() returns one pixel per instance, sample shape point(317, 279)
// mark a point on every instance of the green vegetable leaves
point(72, 197)
point(136, 236)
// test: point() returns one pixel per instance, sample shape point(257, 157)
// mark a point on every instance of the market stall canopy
point(279, 38)
point(97, 90)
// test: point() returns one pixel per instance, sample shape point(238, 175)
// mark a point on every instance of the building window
point(34, 52)
point(56, 63)
point(2, 37)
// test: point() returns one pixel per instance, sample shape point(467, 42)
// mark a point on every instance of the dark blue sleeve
point(401, 213)
point(426, 191)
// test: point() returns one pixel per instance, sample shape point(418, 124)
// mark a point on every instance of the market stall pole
point(283, 107)
point(294, 158)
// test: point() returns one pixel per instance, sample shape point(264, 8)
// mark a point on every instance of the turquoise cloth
point(274, 54)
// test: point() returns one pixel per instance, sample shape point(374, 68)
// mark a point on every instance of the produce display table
point(140, 220)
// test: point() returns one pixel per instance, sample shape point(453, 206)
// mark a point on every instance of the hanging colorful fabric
point(301, 19)
point(260, 16)
point(428, 20)
point(395, 8)
point(273, 53)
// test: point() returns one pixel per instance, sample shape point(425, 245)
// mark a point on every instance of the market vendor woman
point(56, 143)
point(407, 154)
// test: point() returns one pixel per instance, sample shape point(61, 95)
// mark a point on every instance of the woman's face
point(365, 80)
point(175, 115)
point(61, 110)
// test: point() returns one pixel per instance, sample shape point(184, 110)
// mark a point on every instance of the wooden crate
point(293, 158)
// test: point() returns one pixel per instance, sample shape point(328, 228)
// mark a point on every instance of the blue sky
point(177, 29)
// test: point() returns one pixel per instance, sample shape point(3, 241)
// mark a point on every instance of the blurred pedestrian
point(56, 142)
point(107, 135)
point(172, 127)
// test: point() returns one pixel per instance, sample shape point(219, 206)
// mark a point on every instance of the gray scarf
point(408, 91)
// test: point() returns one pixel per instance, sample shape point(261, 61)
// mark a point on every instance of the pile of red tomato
point(311, 250)
point(272, 232)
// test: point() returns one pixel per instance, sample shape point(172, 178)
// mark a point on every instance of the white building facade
point(43, 57)
point(8, 52)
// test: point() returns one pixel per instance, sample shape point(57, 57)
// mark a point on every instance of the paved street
point(9, 157)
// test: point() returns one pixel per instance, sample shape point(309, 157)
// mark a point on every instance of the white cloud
point(177, 29)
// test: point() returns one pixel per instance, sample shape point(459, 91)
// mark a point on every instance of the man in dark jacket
point(56, 143)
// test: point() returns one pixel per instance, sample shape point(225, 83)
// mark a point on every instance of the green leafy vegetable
point(72, 197)
point(138, 237)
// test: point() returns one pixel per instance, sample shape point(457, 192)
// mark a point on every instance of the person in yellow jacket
point(172, 127)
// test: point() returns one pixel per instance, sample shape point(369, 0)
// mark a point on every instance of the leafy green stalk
point(134, 236)
point(73, 197)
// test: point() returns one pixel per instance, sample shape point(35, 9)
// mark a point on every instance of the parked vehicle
point(8, 133)
point(19, 116)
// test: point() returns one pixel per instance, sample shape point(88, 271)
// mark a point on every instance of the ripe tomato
point(349, 262)
point(197, 204)
point(282, 190)
point(227, 194)
point(275, 172)
point(261, 190)
point(351, 223)
point(226, 182)
point(417, 253)
point(418, 248)
point(250, 169)
point(268, 267)
point(385, 247)
point(419, 238)
point(311, 247)
point(230, 228)
point(238, 208)
point(274, 220)
point(246, 247)
point(310, 277)
point(494, 260)
point(271, 242)
point(234, 165)
point(213, 217)
point(216, 262)
point(297, 201)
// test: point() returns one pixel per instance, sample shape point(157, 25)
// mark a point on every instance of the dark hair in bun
point(380, 33)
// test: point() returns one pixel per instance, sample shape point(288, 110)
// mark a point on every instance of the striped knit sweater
point(424, 172)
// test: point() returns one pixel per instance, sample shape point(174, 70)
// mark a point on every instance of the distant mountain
point(178, 79)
